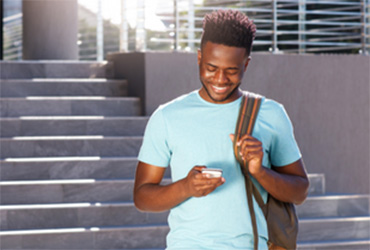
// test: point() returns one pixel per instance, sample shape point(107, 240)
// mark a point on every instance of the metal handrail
point(13, 45)
point(284, 26)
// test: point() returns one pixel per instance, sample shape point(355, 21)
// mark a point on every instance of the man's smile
point(220, 90)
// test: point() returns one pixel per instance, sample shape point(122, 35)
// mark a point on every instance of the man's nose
point(220, 77)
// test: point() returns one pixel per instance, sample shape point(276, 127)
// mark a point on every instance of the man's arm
point(286, 183)
point(150, 196)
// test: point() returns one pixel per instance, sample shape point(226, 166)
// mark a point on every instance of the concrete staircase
point(69, 141)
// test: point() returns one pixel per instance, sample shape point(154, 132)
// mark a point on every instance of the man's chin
point(220, 98)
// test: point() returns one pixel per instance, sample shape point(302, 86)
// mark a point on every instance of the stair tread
point(68, 137)
point(68, 98)
point(66, 205)
point(68, 181)
point(335, 219)
point(77, 80)
point(333, 243)
point(337, 196)
point(71, 117)
point(64, 159)
point(82, 229)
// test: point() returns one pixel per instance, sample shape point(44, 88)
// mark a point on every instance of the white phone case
point(213, 172)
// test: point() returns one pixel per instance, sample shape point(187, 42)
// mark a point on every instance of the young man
point(195, 131)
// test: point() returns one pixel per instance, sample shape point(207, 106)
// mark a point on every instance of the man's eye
point(232, 72)
point(211, 69)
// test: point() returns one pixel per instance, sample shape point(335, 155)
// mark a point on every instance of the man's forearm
point(158, 198)
point(284, 187)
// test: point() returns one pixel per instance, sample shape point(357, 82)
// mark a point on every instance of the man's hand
point(251, 150)
point(287, 183)
point(198, 184)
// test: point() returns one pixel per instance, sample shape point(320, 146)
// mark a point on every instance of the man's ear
point(246, 63)
point(199, 56)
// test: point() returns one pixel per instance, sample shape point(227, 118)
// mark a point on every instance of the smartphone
point(212, 172)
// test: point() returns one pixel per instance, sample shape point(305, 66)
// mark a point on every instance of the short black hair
point(230, 28)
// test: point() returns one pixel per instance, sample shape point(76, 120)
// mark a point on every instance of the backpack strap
point(246, 119)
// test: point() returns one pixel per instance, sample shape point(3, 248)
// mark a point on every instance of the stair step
point(133, 237)
point(49, 168)
point(66, 191)
point(138, 237)
point(62, 87)
point(317, 184)
point(338, 228)
point(72, 125)
point(20, 217)
point(335, 206)
point(67, 106)
point(69, 146)
point(337, 245)
point(55, 69)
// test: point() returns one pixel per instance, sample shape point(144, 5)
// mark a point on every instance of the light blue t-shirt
point(190, 131)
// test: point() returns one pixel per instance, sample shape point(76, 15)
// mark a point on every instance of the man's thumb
point(232, 137)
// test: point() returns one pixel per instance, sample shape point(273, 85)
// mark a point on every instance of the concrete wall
point(326, 96)
point(50, 30)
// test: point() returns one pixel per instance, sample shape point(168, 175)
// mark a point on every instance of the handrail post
point(274, 32)
point(140, 26)
point(123, 41)
point(365, 20)
point(2, 30)
point(99, 33)
point(177, 23)
point(302, 26)
point(191, 25)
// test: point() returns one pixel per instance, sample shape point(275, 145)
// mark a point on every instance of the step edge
point(73, 118)
point(68, 182)
point(68, 138)
point(65, 80)
point(333, 243)
point(64, 159)
point(327, 197)
point(82, 229)
point(66, 205)
point(71, 98)
point(335, 219)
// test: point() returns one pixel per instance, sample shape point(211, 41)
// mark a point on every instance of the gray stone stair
point(62, 87)
point(337, 228)
point(90, 214)
point(69, 146)
point(72, 125)
point(59, 191)
point(332, 206)
point(69, 106)
point(69, 139)
point(336, 245)
point(55, 69)
point(51, 168)
point(124, 237)
point(70, 215)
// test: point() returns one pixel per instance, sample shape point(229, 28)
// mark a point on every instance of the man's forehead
point(223, 52)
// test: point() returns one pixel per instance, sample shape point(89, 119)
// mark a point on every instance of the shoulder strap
point(246, 119)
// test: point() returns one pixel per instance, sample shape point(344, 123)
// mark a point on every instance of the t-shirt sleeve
point(284, 149)
point(154, 149)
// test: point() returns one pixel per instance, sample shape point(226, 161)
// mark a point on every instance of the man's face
point(221, 69)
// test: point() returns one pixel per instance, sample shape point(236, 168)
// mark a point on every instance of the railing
point(300, 26)
point(284, 26)
point(12, 44)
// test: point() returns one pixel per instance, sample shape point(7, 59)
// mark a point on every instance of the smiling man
point(195, 131)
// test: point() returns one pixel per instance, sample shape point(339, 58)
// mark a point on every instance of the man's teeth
point(219, 88)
